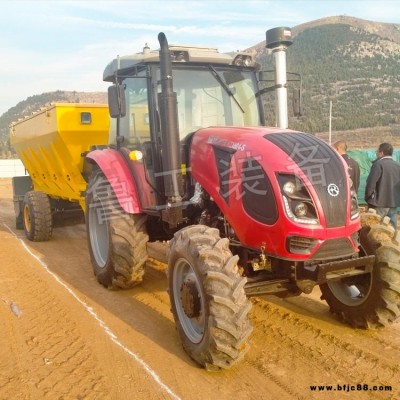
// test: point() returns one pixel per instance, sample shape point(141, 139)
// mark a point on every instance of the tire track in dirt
point(295, 343)
point(329, 358)
point(381, 342)
point(155, 285)
point(59, 358)
point(12, 386)
point(54, 361)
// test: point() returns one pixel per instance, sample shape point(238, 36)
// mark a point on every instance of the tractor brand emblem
point(333, 190)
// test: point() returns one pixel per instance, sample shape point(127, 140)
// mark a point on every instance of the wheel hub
point(27, 218)
point(190, 299)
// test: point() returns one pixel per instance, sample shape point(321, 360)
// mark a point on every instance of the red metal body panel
point(247, 142)
point(117, 172)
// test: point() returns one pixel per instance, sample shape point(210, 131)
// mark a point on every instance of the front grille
point(258, 195)
point(334, 248)
point(300, 244)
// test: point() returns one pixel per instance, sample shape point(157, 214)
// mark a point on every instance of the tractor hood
point(246, 171)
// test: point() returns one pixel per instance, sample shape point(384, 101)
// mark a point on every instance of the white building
point(10, 168)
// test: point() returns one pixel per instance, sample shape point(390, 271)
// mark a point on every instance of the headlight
point(301, 210)
point(179, 56)
point(243, 60)
point(297, 201)
point(289, 188)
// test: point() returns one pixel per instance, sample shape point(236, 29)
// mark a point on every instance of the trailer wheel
point(370, 300)
point(37, 217)
point(208, 300)
point(117, 240)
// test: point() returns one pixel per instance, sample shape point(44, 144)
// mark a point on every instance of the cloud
point(65, 45)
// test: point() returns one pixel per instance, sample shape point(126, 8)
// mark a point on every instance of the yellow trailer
point(51, 144)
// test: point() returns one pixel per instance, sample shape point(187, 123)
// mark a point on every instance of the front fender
point(116, 170)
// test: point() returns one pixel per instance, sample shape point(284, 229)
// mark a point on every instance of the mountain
point(352, 63)
point(384, 30)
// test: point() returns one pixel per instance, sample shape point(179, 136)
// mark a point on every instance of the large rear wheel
point(207, 295)
point(370, 300)
point(117, 240)
point(37, 217)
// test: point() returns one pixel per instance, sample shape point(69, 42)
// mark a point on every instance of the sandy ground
point(63, 336)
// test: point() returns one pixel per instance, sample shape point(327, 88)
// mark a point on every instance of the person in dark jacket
point(382, 191)
point(354, 168)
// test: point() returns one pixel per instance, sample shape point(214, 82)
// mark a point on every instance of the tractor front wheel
point(370, 300)
point(208, 300)
point(117, 240)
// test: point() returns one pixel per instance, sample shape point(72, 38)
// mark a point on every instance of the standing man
point(354, 168)
point(383, 184)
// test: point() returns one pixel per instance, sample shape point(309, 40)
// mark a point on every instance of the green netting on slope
point(364, 159)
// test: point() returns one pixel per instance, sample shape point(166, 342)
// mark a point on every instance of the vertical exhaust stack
point(278, 40)
point(171, 159)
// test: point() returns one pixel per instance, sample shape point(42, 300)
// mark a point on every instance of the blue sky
point(64, 45)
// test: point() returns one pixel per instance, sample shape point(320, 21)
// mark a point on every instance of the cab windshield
point(215, 97)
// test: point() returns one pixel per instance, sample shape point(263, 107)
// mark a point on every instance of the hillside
point(353, 63)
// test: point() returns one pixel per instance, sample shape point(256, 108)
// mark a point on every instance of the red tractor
point(247, 209)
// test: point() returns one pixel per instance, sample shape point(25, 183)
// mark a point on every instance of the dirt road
point(63, 336)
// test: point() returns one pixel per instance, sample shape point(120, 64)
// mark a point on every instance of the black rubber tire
point(208, 300)
point(378, 302)
point(37, 217)
point(117, 240)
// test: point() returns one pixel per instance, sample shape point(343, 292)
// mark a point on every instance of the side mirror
point(297, 103)
point(116, 101)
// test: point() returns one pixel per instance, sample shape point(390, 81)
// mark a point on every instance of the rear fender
point(116, 170)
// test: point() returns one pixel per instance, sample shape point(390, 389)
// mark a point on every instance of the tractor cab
point(212, 89)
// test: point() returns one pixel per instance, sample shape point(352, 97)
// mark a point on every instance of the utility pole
point(330, 122)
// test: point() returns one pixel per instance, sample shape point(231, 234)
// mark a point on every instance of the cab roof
point(180, 54)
